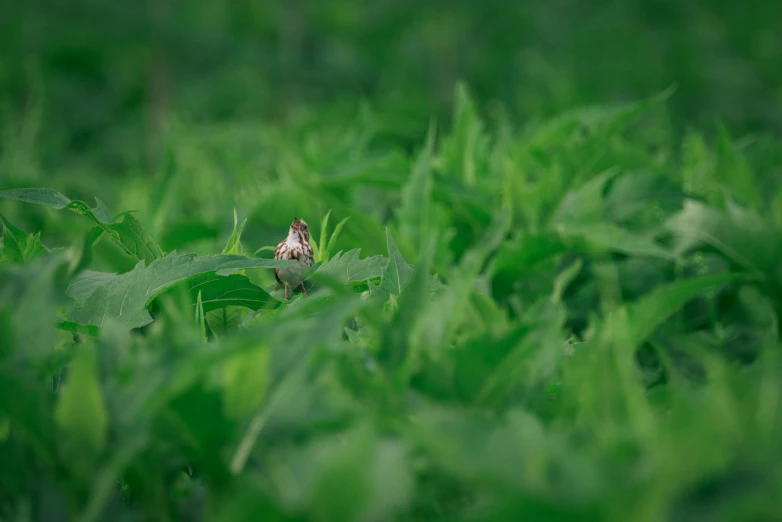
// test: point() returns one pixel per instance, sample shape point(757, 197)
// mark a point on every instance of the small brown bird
point(295, 246)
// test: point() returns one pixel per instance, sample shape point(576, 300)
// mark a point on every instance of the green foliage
point(125, 297)
point(568, 321)
point(17, 245)
point(322, 249)
point(128, 233)
point(80, 412)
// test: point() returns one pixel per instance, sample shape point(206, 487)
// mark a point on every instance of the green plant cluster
point(576, 320)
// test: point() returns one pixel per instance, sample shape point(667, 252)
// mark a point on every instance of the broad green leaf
point(222, 320)
point(87, 282)
point(126, 297)
point(643, 196)
point(606, 237)
point(41, 196)
point(349, 268)
point(738, 233)
point(128, 233)
point(397, 272)
point(132, 237)
point(17, 245)
point(81, 409)
point(376, 294)
point(234, 290)
point(649, 312)
point(584, 203)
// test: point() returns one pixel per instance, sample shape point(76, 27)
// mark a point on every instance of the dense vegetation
point(562, 322)
point(530, 301)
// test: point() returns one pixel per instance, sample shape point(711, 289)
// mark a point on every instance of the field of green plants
point(569, 316)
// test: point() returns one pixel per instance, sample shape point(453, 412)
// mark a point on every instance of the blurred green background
point(243, 97)
point(88, 87)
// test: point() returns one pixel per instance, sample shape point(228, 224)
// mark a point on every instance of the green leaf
point(531, 252)
point(413, 214)
point(126, 297)
point(612, 118)
point(734, 172)
point(234, 290)
point(246, 379)
point(476, 360)
point(739, 233)
point(234, 244)
point(40, 196)
point(466, 145)
point(564, 279)
point(199, 317)
point(334, 237)
point(31, 296)
point(87, 282)
point(132, 237)
point(439, 319)
point(521, 257)
point(128, 233)
point(607, 237)
point(350, 269)
point(81, 411)
point(222, 320)
point(533, 358)
point(70, 326)
point(583, 203)
point(17, 245)
point(319, 247)
point(644, 196)
point(644, 316)
point(397, 272)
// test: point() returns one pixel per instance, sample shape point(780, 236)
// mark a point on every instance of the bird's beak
point(295, 223)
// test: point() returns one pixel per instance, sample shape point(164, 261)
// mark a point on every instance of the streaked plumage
point(295, 246)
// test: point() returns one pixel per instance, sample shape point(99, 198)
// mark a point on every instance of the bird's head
point(299, 228)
